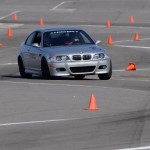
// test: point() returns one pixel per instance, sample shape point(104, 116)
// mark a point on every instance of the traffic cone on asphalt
point(92, 103)
point(9, 32)
point(131, 19)
point(1, 45)
point(108, 24)
point(136, 37)
point(132, 66)
point(110, 41)
point(15, 17)
point(41, 22)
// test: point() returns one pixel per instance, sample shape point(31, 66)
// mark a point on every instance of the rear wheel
point(106, 76)
point(22, 69)
point(79, 77)
point(45, 70)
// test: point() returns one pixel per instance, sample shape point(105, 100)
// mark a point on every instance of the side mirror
point(97, 42)
point(36, 45)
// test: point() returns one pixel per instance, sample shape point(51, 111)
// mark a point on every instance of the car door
point(35, 52)
point(26, 50)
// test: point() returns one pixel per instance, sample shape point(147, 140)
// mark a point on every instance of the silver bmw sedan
point(67, 51)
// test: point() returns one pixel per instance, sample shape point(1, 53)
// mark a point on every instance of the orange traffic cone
point(9, 32)
point(110, 41)
point(136, 37)
point(15, 17)
point(1, 45)
point(92, 103)
point(41, 22)
point(108, 24)
point(131, 66)
point(131, 19)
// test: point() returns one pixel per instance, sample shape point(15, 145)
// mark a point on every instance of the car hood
point(79, 49)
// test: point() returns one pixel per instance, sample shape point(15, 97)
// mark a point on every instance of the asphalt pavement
point(40, 114)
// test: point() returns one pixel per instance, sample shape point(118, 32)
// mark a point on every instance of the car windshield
point(66, 37)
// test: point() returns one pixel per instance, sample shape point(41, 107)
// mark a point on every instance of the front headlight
point(60, 58)
point(100, 56)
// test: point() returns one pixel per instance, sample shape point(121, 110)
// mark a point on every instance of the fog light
point(60, 69)
point(102, 67)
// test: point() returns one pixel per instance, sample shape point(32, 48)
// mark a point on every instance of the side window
point(47, 39)
point(30, 39)
point(37, 38)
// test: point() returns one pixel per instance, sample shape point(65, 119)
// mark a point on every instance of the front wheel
point(22, 69)
point(45, 70)
point(106, 76)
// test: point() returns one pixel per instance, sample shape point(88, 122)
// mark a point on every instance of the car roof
point(57, 29)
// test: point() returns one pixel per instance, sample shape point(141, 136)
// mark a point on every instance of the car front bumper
point(79, 67)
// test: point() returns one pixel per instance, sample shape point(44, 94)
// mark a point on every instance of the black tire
point(106, 76)
point(79, 77)
point(45, 70)
point(22, 69)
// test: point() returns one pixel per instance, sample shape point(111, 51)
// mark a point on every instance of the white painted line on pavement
point(49, 84)
point(8, 64)
point(131, 40)
point(99, 26)
point(65, 10)
point(144, 39)
point(67, 85)
point(35, 122)
point(128, 27)
point(3, 17)
point(56, 8)
point(11, 46)
point(131, 27)
point(119, 70)
point(137, 148)
point(12, 25)
point(131, 79)
point(123, 41)
point(143, 69)
point(130, 46)
point(72, 85)
point(12, 63)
